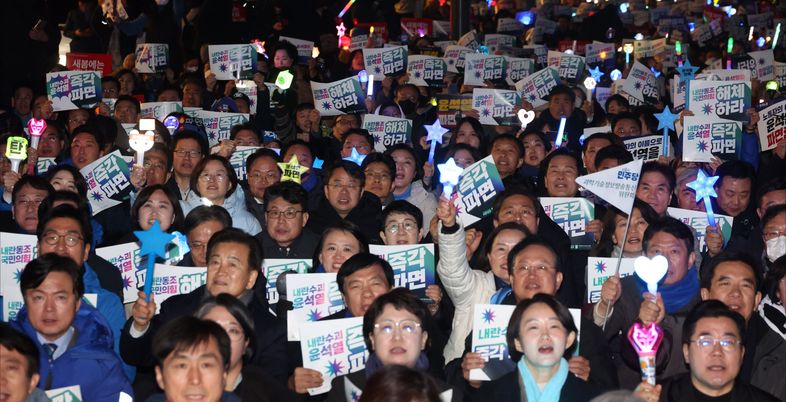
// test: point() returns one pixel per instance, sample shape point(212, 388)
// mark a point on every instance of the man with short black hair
point(188, 149)
point(27, 195)
point(285, 235)
point(19, 367)
point(656, 186)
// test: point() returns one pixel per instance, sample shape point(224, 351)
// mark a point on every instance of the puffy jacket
point(88, 362)
point(235, 204)
point(424, 200)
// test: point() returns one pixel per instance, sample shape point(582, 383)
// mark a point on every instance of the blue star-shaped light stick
point(153, 244)
point(356, 157)
point(449, 174)
point(595, 73)
point(687, 72)
point(435, 133)
point(704, 188)
point(666, 121)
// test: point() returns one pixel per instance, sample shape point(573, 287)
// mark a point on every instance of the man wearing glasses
point(286, 213)
point(26, 195)
point(330, 147)
point(188, 149)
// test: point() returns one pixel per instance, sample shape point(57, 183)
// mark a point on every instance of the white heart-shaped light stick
point(651, 271)
point(526, 117)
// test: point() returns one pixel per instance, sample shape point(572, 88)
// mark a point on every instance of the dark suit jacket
point(680, 389)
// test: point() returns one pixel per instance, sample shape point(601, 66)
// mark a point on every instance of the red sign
point(418, 27)
point(90, 62)
point(568, 44)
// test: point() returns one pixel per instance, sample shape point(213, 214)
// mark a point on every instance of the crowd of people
point(720, 304)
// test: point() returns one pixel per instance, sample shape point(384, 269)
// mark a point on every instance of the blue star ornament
point(704, 186)
point(356, 157)
point(595, 73)
point(449, 174)
point(666, 119)
point(687, 72)
point(154, 240)
point(435, 132)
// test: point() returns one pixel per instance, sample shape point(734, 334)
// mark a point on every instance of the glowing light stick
point(628, 50)
point(449, 174)
point(435, 133)
point(314, 52)
point(284, 80)
point(750, 34)
point(615, 74)
point(153, 244)
point(141, 143)
point(777, 35)
point(666, 121)
point(729, 47)
point(526, 117)
point(651, 271)
point(340, 30)
point(703, 186)
point(590, 84)
point(561, 131)
point(16, 151)
point(370, 86)
point(772, 86)
point(363, 76)
point(678, 49)
point(346, 8)
point(646, 341)
point(36, 128)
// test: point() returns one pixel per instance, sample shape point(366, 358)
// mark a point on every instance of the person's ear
point(558, 279)
point(686, 352)
point(33, 382)
point(87, 252)
point(160, 378)
point(518, 345)
point(691, 259)
point(757, 299)
point(305, 218)
point(382, 236)
point(252, 279)
point(423, 340)
point(571, 338)
point(371, 339)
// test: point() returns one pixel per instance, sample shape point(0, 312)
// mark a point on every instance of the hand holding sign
point(16, 151)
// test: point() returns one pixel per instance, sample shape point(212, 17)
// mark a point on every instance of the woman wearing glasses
point(394, 331)
point(215, 183)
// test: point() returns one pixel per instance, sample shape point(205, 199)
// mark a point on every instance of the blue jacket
point(88, 362)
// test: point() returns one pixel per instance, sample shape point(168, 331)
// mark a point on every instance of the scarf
point(774, 315)
point(677, 295)
point(373, 364)
point(503, 290)
point(552, 389)
point(403, 196)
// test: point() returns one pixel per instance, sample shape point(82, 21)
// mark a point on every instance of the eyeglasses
point(378, 176)
point(340, 186)
point(268, 175)
point(218, 177)
point(536, 269)
point(769, 235)
point(407, 226)
point(28, 203)
point(53, 238)
point(407, 327)
point(184, 153)
point(707, 343)
point(288, 214)
point(149, 165)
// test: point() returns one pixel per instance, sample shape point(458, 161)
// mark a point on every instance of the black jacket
point(364, 215)
point(302, 247)
point(506, 389)
point(257, 387)
point(680, 389)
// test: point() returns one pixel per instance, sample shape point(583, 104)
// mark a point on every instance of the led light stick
point(777, 35)
point(370, 86)
point(687, 72)
point(561, 131)
point(729, 47)
point(340, 30)
point(526, 117)
point(449, 174)
point(153, 244)
point(590, 84)
point(646, 340)
point(16, 151)
point(36, 129)
point(666, 121)
point(141, 142)
point(703, 186)
point(346, 8)
point(678, 49)
point(314, 52)
point(284, 80)
point(435, 133)
point(628, 48)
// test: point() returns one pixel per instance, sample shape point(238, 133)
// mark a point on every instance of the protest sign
point(518, 68)
point(385, 62)
point(218, 125)
point(418, 27)
point(108, 182)
point(159, 110)
point(725, 99)
point(761, 64)
point(305, 48)
point(313, 296)
point(509, 25)
point(641, 84)
point(599, 269)
point(569, 66)
point(232, 62)
point(478, 187)
point(772, 125)
point(454, 57)
point(272, 268)
point(100, 62)
point(780, 73)
point(704, 137)
point(496, 41)
point(65, 394)
point(238, 160)
point(489, 331)
point(645, 148)
point(387, 131)
point(617, 185)
point(536, 87)
point(479, 68)
point(168, 281)
point(426, 71)
point(339, 97)
point(16, 250)
point(451, 108)
point(249, 88)
point(333, 348)
point(539, 53)
point(151, 57)
point(724, 75)
point(648, 48)
point(599, 53)
point(69, 90)
point(470, 40)
point(495, 106)
point(572, 214)
point(697, 220)
point(413, 265)
point(44, 164)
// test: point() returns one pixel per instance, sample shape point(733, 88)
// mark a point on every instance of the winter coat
point(235, 204)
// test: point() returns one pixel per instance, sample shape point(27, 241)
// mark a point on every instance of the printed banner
point(387, 131)
point(572, 214)
point(599, 269)
point(238, 160)
point(496, 41)
point(273, 267)
point(232, 62)
point(451, 108)
point(454, 57)
point(479, 68)
point(648, 48)
point(313, 297)
point(617, 185)
point(305, 48)
point(385, 62)
point(108, 182)
point(168, 281)
point(772, 125)
point(704, 137)
point(159, 110)
point(598, 52)
point(218, 125)
point(495, 106)
point(761, 64)
point(151, 57)
point(69, 90)
point(100, 62)
point(334, 348)
point(518, 68)
point(339, 97)
point(511, 25)
point(15, 252)
point(536, 87)
point(413, 266)
point(569, 66)
point(478, 187)
point(646, 148)
point(641, 84)
point(426, 71)
point(725, 99)
point(489, 331)
point(697, 221)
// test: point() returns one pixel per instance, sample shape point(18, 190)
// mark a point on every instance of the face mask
point(191, 69)
point(776, 248)
point(408, 106)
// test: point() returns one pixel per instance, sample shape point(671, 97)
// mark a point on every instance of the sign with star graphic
point(159, 110)
point(518, 68)
point(413, 266)
point(218, 125)
point(16, 250)
point(697, 220)
point(477, 189)
point(725, 99)
point(451, 108)
point(70, 90)
point(168, 281)
point(304, 48)
point(496, 41)
point(454, 57)
point(238, 160)
point(385, 62)
point(333, 348)
point(495, 106)
point(339, 97)
point(761, 64)
point(313, 296)
point(489, 330)
point(479, 68)
point(601, 268)
point(426, 71)
point(570, 67)
point(641, 84)
point(704, 137)
point(772, 125)
point(249, 88)
point(272, 268)
point(151, 57)
point(108, 182)
point(232, 62)
point(387, 131)
point(536, 87)
point(572, 214)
